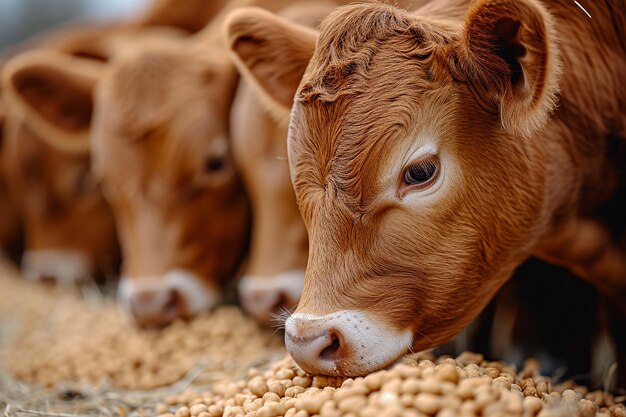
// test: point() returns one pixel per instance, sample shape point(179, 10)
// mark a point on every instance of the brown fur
point(164, 183)
point(279, 243)
point(49, 179)
point(190, 15)
point(152, 159)
point(10, 221)
point(64, 208)
point(520, 178)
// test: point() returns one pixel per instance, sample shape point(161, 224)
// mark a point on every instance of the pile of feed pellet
point(418, 386)
point(51, 336)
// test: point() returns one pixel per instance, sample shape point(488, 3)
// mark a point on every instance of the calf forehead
point(152, 87)
point(363, 95)
point(161, 111)
point(359, 142)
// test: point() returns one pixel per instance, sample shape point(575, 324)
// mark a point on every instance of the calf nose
point(265, 297)
point(345, 343)
point(315, 344)
point(156, 308)
point(64, 266)
point(155, 301)
point(314, 347)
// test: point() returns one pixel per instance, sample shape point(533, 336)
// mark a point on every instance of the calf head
point(279, 245)
point(69, 230)
point(160, 143)
point(416, 166)
point(278, 248)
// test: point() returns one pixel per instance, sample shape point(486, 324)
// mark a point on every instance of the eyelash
point(420, 174)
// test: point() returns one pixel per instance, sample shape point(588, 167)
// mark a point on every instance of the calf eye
point(214, 164)
point(421, 173)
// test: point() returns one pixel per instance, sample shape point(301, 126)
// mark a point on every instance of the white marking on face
point(366, 344)
point(198, 296)
point(259, 295)
point(427, 149)
point(67, 267)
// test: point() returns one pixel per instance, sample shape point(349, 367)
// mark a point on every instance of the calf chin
point(66, 267)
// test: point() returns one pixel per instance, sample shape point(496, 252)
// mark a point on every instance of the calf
point(274, 274)
point(429, 159)
point(68, 227)
point(169, 175)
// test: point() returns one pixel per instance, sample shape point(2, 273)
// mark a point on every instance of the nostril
point(331, 352)
point(47, 279)
point(172, 306)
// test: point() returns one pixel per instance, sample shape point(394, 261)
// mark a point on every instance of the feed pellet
point(420, 385)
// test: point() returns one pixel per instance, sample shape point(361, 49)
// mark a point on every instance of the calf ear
point(54, 94)
point(508, 50)
point(271, 52)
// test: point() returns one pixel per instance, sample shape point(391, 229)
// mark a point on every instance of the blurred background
point(21, 19)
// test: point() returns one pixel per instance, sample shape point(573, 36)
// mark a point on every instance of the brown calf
point(274, 275)
point(428, 161)
point(68, 227)
point(161, 147)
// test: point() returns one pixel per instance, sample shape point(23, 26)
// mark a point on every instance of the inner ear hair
point(509, 51)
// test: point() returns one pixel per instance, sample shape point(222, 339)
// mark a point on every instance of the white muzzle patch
point(67, 267)
point(260, 295)
point(363, 345)
point(197, 295)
